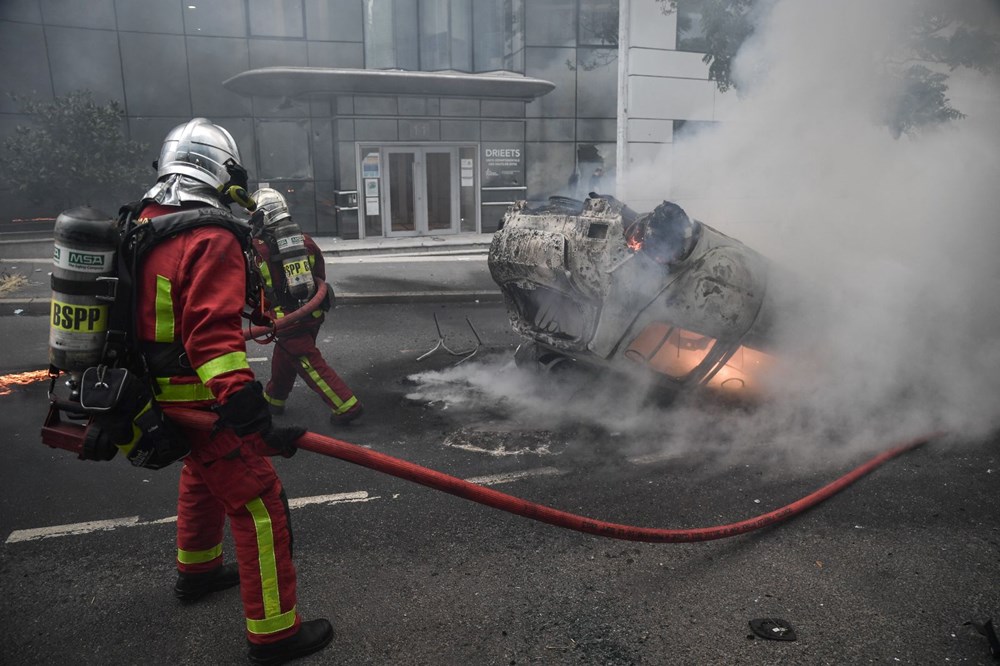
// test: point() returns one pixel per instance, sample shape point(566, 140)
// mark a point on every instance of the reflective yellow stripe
point(199, 556)
point(274, 401)
point(347, 405)
point(221, 364)
point(274, 619)
point(164, 331)
point(265, 272)
point(182, 392)
point(341, 405)
point(272, 625)
point(127, 447)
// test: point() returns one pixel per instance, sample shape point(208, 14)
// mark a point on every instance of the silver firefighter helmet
point(193, 164)
point(198, 149)
point(273, 204)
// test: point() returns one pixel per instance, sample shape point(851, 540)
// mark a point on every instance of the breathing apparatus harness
point(116, 391)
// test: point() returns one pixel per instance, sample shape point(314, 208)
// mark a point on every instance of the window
point(690, 26)
point(276, 19)
point(688, 128)
point(435, 35)
point(498, 42)
point(599, 22)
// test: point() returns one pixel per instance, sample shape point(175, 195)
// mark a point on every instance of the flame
point(675, 352)
point(634, 236)
point(20, 379)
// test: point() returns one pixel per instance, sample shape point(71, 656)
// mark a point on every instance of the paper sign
point(370, 166)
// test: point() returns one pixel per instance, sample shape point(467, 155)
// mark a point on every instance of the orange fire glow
point(20, 379)
point(675, 352)
point(634, 235)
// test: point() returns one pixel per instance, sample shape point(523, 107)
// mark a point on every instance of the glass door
point(421, 191)
point(401, 208)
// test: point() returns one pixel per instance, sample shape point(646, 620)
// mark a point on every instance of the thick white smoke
point(905, 233)
point(902, 237)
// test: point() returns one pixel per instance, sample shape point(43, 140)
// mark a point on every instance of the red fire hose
point(521, 507)
point(69, 436)
point(302, 312)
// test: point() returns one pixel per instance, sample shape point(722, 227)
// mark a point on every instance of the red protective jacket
point(199, 281)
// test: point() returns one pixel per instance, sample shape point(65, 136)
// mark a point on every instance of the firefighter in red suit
point(191, 293)
point(295, 352)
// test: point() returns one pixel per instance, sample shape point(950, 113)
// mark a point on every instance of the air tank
point(84, 252)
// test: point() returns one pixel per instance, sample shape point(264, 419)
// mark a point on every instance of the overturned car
point(594, 282)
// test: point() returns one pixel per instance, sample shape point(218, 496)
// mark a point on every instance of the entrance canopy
point(306, 82)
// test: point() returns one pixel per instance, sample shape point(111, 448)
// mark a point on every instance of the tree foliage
point(942, 37)
point(72, 152)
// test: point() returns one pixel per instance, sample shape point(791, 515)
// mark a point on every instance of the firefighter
point(190, 296)
point(295, 351)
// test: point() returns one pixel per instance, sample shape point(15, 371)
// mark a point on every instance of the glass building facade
point(353, 163)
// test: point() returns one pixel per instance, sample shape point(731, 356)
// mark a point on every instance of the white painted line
point(161, 521)
point(259, 359)
point(651, 458)
point(497, 479)
point(397, 259)
point(133, 521)
point(338, 498)
point(74, 528)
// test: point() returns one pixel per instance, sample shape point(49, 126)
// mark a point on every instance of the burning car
point(594, 282)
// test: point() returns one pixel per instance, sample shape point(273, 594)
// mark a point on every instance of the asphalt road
point(889, 571)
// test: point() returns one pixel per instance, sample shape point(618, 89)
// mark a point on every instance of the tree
point(942, 37)
point(73, 152)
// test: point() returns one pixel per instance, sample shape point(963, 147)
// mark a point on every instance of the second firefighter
point(291, 262)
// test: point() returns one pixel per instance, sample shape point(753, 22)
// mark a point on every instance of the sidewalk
point(379, 270)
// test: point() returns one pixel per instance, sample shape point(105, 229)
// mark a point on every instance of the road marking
point(651, 458)
point(409, 259)
point(338, 498)
point(497, 479)
point(74, 528)
point(88, 527)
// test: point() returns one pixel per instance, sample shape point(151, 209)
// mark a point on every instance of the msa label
point(79, 318)
point(82, 260)
point(290, 241)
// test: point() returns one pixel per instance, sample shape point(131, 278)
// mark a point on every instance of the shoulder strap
point(138, 237)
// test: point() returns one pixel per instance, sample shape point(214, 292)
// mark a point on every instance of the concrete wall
point(658, 85)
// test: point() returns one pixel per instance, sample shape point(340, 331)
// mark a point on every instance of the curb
point(41, 306)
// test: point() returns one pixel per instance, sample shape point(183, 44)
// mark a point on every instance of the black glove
point(282, 440)
point(245, 412)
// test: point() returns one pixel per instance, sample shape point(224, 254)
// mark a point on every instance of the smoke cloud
point(901, 235)
point(899, 238)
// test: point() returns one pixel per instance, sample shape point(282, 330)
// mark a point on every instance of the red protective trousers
point(243, 486)
point(191, 291)
point(295, 354)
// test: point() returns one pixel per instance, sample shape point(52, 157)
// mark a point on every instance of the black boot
point(192, 587)
point(313, 636)
point(348, 416)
